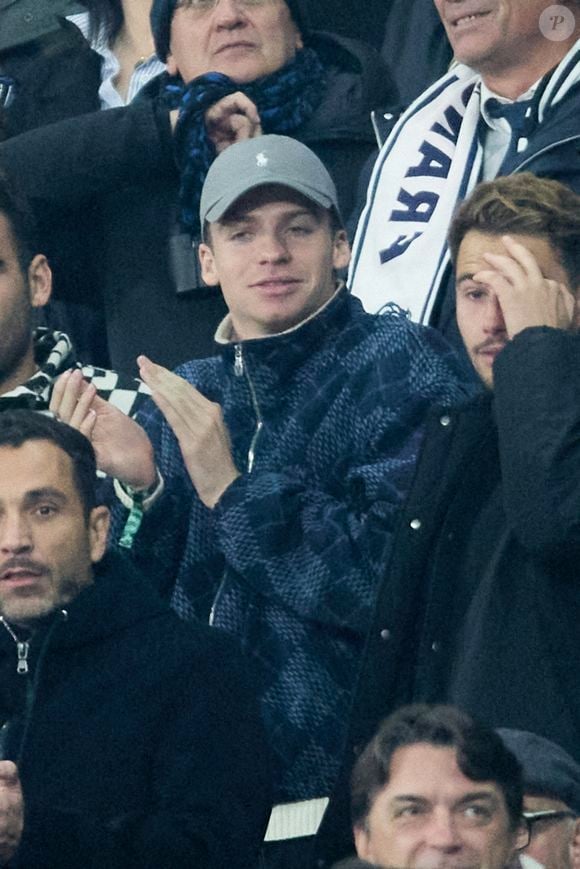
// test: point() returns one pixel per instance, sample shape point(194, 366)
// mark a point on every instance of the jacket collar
point(286, 351)
point(225, 331)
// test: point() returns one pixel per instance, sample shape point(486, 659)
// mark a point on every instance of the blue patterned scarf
point(285, 100)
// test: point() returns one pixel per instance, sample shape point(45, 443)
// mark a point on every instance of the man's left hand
point(525, 296)
point(121, 446)
point(11, 811)
point(199, 427)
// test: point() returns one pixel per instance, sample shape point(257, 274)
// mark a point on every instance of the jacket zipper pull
point(238, 361)
point(22, 652)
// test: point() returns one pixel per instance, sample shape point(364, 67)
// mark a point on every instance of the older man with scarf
point(234, 62)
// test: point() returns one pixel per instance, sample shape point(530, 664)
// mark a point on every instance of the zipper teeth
point(259, 424)
point(218, 594)
point(252, 450)
point(22, 647)
point(240, 369)
point(238, 361)
point(9, 629)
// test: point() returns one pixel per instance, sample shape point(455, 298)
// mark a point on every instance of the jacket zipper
point(22, 648)
point(239, 371)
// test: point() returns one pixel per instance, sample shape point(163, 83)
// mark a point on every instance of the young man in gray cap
point(285, 458)
point(551, 798)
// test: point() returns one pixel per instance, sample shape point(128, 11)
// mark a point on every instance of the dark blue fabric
point(291, 555)
point(285, 99)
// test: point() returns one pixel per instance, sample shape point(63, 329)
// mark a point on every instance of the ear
point(39, 281)
point(298, 41)
point(99, 520)
point(208, 266)
point(341, 250)
point(363, 844)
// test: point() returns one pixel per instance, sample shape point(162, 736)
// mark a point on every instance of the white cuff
point(147, 497)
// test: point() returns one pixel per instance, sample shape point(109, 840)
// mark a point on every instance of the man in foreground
point(286, 458)
point(129, 739)
point(480, 603)
point(434, 788)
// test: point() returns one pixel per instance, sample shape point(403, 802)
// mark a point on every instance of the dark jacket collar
point(288, 351)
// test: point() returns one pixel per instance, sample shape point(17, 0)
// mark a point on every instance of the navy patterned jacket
point(325, 423)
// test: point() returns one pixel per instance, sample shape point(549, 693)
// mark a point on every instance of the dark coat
point(140, 745)
point(56, 74)
point(118, 168)
point(481, 600)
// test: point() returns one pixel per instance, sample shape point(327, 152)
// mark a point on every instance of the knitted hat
point(548, 770)
point(162, 13)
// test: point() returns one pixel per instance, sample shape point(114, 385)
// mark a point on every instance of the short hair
point(523, 204)
point(20, 220)
point(17, 427)
point(481, 755)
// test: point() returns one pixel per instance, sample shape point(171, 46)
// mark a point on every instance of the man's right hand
point(526, 297)
point(121, 446)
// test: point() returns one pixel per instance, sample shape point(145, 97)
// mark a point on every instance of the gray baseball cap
point(264, 160)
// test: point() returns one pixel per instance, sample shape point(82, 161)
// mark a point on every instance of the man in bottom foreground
point(436, 789)
point(129, 739)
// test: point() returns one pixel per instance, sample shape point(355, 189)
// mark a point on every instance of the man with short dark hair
point(480, 603)
point(434, 788)
point(128, 738)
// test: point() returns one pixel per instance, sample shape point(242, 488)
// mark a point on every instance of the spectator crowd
point(289, 534)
